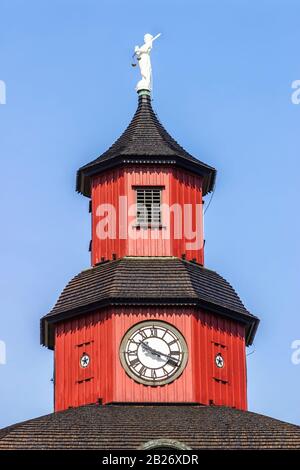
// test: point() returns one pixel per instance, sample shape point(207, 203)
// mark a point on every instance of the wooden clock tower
point(149, 343)
point(148, 322)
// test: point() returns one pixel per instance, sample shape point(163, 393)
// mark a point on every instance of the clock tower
point(149, 342)
point(148, 322)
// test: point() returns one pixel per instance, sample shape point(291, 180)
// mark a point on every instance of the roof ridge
point(192, 265)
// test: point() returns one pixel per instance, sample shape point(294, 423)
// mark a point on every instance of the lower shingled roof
point(133, 426)
point(147, 281)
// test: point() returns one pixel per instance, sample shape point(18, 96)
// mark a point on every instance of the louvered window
point(148, 206)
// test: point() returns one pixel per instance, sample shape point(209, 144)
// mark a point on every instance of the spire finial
point(143, 57)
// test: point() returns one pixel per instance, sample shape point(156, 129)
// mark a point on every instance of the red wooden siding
point(107, 189)
point(186, 189)
point(227, 386)
point(179, 187)
point(100, 334)
point(149, 242)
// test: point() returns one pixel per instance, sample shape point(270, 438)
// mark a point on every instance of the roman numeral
point(153, 374)
point(153, 331)
point(143, 370)
point(143, 334)
point(173, 363)
point(172, 342)
point(135, 342)
point(135, 362)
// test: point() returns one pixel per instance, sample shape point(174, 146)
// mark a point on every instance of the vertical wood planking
point(180, 188)
point(105, 329)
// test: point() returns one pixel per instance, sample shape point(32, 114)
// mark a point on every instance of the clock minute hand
point(170, 359)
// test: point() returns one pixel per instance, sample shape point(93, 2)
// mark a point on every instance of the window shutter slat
point(148, 206)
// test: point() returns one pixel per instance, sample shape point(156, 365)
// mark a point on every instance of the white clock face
point(84, 360)
point(153, 353)
point(219, 360)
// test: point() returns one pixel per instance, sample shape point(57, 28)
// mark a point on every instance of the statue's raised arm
point(143, 56)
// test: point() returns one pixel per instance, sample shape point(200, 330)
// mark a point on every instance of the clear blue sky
point(222, 87)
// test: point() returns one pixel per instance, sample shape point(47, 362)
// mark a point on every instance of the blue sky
point(223, 71)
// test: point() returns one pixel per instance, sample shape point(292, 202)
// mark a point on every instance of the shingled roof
point(133, 426)
point(145, 141)
point(147, 281)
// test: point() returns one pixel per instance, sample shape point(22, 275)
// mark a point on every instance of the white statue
point(143, 57)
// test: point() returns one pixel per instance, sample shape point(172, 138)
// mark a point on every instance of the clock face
point(153, 353)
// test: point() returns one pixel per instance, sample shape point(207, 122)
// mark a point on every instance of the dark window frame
point(148, 200)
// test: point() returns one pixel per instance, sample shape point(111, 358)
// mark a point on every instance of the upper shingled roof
point(147, 142)
point(133, 426)
point(148, 281)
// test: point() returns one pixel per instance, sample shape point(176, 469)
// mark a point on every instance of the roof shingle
point(132, 426)
point(148, 281)
point(145, 141)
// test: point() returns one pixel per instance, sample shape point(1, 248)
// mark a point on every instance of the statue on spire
point(143, 57)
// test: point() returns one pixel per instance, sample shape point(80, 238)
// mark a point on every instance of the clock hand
point(153, 351)
point(158, 353)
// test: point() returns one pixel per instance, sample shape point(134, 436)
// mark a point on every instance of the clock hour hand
point(158, 353)
point(153, 351)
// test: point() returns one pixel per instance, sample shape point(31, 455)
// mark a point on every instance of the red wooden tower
point(148, 322)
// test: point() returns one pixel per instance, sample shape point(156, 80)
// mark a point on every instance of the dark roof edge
point(143, 130)
point(83, 176)
point(251, 322)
